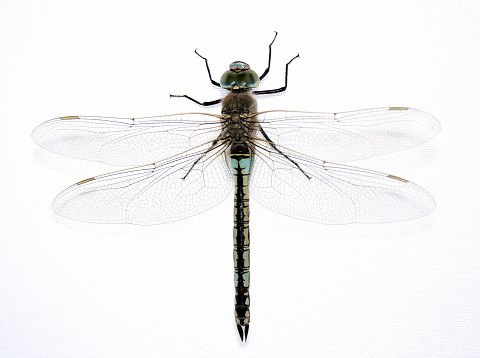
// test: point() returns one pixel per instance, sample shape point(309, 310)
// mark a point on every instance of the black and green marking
point(241, 163)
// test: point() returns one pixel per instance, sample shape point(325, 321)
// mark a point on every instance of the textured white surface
point(70, 289)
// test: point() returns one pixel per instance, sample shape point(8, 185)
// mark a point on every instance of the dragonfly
point(196, 159)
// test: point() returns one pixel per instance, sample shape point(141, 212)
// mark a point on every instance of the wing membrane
point(333, 136)
point(329, 193)
point(349, 135)
point(169, 190)
point(126, 141)
point(284, 181)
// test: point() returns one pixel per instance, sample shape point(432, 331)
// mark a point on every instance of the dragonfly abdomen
point(240, 162)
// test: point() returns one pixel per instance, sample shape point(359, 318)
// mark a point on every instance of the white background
point(70, 289)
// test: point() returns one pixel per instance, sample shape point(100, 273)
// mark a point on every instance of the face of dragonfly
point(239, 76)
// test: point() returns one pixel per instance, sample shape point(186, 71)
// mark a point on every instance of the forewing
point(126, 141)
point(309, 189)
point(165, 191)
point(351, 135)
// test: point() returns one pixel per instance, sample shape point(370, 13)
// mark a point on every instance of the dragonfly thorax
point(240, 124)
point(238, 102)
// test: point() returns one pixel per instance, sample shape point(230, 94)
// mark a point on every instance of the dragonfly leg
point(213, 146)
point(215, 83)
point(281, 89)
point(272, 144)
point(209, 103)
point(269, 57)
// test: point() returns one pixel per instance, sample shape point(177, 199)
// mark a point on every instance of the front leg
point(209, 103)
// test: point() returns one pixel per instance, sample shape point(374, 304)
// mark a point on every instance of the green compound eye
point(239, 76)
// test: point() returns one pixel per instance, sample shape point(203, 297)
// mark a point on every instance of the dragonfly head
point(239, 77)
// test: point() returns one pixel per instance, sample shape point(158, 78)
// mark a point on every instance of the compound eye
point(244, 79)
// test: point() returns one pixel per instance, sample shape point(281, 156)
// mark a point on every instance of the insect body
point(197, 158)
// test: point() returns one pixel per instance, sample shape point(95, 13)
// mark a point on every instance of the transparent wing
point(126, 141)
point(169, 190)
point(349, 135)
point(323, 192)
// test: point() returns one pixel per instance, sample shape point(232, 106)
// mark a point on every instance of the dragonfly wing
point(349, 135)
point(330, 193)
point(126, 141)
point(169, 190)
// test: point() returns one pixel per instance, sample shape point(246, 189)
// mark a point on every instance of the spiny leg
point(269, 57)
point(208, 103)
point(195, 163)
point(272, 144)
point(213, 146)
point(215, 83)
point(281, 89)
